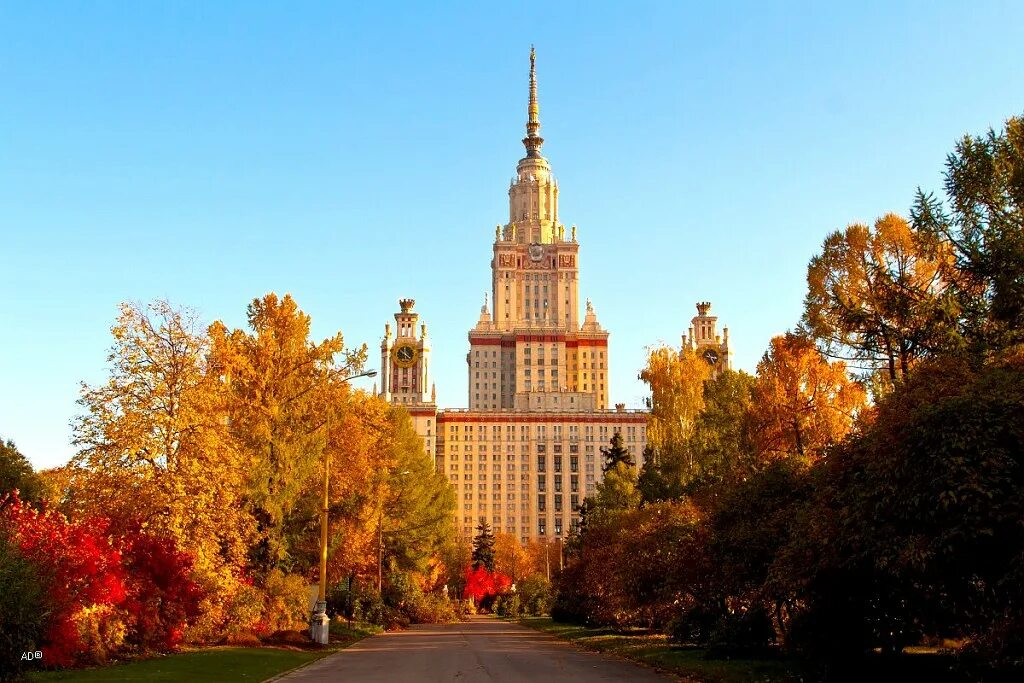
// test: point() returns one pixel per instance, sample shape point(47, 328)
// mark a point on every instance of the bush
point(22, 607)
point(694, 625)
point(749, 633)
point(433, 609)
point(162, 597)
point(535, 595)
point(83, 571)
point(508, 605)
point(243, 611)
point(286, 602)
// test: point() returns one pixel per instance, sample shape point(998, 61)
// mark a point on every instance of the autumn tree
point(982, 222)
point(676, 380)
point(878, 297)
point(483, 546)
point(510, 557)
point(154, 447)
point(801, 402)
point(360, 452)
point(280, 384)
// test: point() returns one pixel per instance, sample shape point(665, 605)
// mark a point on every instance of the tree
point(721, 441)
point(676, 380)
point(915, 523)
point(420, 505)
point(801, 402)
point(16, 473)
point(280, 384)
point(618, 489)
point(984, 227)
point(483, 546)
point(878, 297)
point(510, 557)
point(154, 448)
point(617, 453)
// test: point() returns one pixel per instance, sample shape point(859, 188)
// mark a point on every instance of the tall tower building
point(533, 351)
point(527, 451)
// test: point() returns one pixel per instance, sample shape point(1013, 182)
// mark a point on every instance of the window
point(541, 503)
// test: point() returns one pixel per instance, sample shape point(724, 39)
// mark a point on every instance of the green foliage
point(535, 595)
point(616, 453)
point(984, 225)
point(509, 605)
point(618, 490)
point(16, 473)
point(23, 608)
point(718, 449)
point(483, 546)
point(421, 506)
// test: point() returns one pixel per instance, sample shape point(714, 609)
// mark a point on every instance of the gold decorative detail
point(404, 355)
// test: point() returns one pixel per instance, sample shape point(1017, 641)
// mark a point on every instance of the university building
point(526, 452)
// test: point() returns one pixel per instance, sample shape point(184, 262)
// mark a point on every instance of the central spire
point(533, 141)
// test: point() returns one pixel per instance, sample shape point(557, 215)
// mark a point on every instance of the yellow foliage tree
point(282, 387)
point(676, 380)
point(801, 402)
point(154, 449)
point(878, 297)
point(510, 557)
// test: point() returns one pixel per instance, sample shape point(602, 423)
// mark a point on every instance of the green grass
point(653, 649)
point(200, 666)
point(213, 665)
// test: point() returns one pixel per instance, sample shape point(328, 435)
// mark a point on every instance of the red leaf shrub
point(162, 597)
point(482, 584)
point(103, 593)
point(83, 572)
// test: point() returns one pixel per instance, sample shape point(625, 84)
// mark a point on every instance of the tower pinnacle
point(533, 141)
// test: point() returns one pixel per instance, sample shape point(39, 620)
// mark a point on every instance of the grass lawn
point(655, 650)
point(212, 665)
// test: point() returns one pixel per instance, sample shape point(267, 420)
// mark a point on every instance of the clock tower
point(405, 359)
point(405, 372)
point(703, 338)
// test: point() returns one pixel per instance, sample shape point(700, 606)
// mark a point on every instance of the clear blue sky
point(211, 152)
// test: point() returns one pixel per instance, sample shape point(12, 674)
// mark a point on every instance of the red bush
point(482, 584)
point(162, 598)
point(103, 593)
point(82, 570)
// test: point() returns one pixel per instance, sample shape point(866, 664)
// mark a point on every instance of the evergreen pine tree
point(483, 546)
point(616, 453)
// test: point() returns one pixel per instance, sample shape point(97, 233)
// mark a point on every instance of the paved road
point(483, 649)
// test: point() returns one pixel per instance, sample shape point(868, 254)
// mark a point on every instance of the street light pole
point(319, 623)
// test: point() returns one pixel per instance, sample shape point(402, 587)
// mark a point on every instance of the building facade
point(527, 451)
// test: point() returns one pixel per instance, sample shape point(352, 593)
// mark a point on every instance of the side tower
point(703, 338)
point(405, 371)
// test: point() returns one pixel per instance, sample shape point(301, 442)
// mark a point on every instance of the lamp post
point(319, 623)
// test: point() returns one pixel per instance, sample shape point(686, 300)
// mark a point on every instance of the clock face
point(536, 252)
point(405, 355)
point(711, 356)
